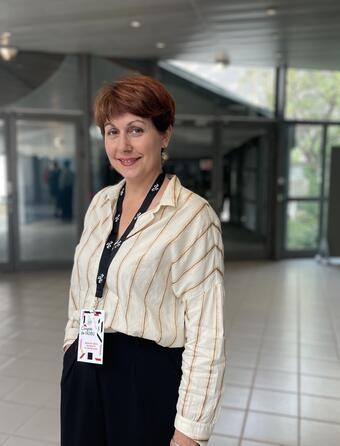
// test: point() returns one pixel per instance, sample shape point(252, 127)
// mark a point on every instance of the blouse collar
point(169, 197)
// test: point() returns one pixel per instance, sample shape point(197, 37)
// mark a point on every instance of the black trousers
point(130, 400)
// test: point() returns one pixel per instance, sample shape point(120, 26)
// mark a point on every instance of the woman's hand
point(182, 440)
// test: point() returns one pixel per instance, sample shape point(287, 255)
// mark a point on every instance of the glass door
point(4, 199)
point(46, 172)
point(304, 189)
point(247, 211)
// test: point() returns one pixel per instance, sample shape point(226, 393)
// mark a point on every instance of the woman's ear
point(166, 136)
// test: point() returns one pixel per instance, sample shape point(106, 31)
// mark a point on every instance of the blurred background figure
point(53, 178)
point(66, 191)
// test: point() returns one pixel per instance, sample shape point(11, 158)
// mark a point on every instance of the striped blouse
point(164, 284)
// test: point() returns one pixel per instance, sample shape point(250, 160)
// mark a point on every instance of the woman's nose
point(124, 143)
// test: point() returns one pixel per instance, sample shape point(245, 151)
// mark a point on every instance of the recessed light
point(135, 24)
point(222, 58)
point(271, 12)
point(4, 38)
point(7, 52)
point(160, 45)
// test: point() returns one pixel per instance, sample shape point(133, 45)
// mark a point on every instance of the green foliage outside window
point(302, 225)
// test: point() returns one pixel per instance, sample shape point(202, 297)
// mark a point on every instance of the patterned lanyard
point(111, 246)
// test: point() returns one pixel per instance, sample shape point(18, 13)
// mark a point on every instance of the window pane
point(46, 190)
point(190, 158)
point(313, 94)
point(333, 139)
point(250, 85)
point(302, 225)
point(304, 160)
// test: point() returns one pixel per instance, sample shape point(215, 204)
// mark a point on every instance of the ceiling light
point(7, 52)
point(135, 24)
point(160, 45)
point(271, 12)
point(222, 59)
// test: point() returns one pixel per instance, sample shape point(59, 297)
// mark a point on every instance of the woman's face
point(133, 145)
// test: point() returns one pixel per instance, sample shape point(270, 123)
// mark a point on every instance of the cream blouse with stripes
point(165, 284)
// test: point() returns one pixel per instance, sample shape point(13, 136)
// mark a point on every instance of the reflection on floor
point(282, 386)
point(48, 240)
point(240, 242)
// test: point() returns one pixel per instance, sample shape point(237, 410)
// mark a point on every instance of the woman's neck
point(137, 189)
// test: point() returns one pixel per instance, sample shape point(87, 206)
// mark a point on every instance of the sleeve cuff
point(70, 336)
point(200, 432)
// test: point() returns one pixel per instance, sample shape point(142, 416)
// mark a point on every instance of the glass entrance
point(46, 190)
point(304, 187)
point(247, 213)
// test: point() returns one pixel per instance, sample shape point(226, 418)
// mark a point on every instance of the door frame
point(83, 183)
point(9, 264)
point(324, 125)
point(271, 129)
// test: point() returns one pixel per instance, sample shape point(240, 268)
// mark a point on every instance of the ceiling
point(302, 33)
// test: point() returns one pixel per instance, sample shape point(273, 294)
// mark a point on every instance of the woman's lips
point(128, 161)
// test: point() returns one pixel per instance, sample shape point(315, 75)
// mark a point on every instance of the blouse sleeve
point(198, 280)
point(72, 326)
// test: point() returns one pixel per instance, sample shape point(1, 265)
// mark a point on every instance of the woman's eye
point(136, 130)
point(111, 132)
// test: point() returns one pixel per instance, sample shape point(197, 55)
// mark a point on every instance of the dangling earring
point(164, 155)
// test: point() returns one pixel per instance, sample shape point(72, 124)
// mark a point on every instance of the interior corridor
point(282, 386)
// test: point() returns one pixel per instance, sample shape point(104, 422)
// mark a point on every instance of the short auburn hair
point(140, 95)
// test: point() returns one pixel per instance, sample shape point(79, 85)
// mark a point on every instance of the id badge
point(91, 336)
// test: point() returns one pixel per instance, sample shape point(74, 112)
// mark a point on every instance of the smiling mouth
point(128, 161)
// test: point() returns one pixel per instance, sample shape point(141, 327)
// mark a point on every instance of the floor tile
point(280, 362)
point(277, 380)
point(274, 402)
point(271, 428)
point(235, 397)
point(3, 438)
point(32, 369)
point(20, 441)
point(324, 409)
point(244, 343)
point(315, 433)
point(315, 351)
point(44, 425)
point(320, 386)
point(280, 346)
point(229, 422)
point(328, 369)
point(12, 416)
point(219, 440)
point(13, 347)
point(8, 384)
point(256, 443)
point(239, 375)
point(267, 321)
point(243, 359)
point(35, 393)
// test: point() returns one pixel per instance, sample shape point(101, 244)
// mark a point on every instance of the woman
point(151, 257)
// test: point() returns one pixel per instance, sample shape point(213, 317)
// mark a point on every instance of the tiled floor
point(282, 386)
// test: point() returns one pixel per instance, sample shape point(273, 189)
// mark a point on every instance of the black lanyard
point(111, 246)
